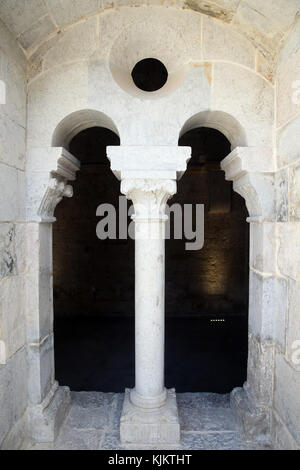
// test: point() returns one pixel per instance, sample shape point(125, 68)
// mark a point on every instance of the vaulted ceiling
point(264, 22)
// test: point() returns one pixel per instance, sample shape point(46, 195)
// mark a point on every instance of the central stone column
point(150, 411)
point(149, 198)
point(148, 177)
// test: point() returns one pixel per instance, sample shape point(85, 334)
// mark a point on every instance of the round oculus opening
point(149, 74)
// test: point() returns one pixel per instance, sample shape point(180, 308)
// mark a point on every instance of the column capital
point(149, 196)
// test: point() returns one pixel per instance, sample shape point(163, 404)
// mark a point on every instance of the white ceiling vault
point(264, 22)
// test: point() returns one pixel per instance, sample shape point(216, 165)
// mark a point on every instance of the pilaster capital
point(149, 196)
point(47, 176)
point(252, 171)
point(56, 191)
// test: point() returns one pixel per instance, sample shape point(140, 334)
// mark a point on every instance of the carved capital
point(252, 171)
point(149, 196)
point(57, 189)
point(48, 171)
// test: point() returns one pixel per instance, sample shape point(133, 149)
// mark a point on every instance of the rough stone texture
point(252, 421)
point(268, 307)
point(286, 397)
point(241, 83)
point(288, 257)
point(45, 419)
point(37, 32)
point(221, 43)
point(288, 102)
point(205, 431)
point(287, 148)
point(281, 437)
point(13, 393)
point(294, 183)
point(77, 43)
point(263, 247)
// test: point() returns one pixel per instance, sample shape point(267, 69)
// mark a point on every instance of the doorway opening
point(207, 290)
point(93, 279)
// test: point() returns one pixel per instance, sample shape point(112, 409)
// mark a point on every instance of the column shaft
point(149, 310)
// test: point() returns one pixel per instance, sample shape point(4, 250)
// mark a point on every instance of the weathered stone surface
point(78, 439)
point(212, 441)
point(37, 32)
point(7, 250)
point(13, 391)
point(294, 188)
point(41, 369)
point(288, 257)
point(10, 197)
point(77, 43)
point(263, 247)
point(247, 107)
point(69, 11)
point(17, 438)
point(260, 377)
point(18, 18)
point(205, 412)
point(288, 70)
point(12, 318)
point(223, 9)
point(221, 43)
point(253, 421)
point(258, 27)
point(46, 418)
point(281, 437)
point(90, 410)
point(286, 395)
point(69, 81)
point(293, 324)
point(287, 143)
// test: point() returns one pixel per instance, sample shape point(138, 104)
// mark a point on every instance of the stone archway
point(252, 171)
point(50, 170)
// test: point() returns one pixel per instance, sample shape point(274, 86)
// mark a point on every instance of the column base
point(150, 426)
point(253, 420)
point(46, 419)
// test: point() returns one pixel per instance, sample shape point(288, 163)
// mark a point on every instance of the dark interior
point(149, 74)
point(206, 290)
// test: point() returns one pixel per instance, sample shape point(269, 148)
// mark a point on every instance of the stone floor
point(206, 422)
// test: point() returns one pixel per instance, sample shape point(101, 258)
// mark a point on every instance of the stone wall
point(286, 410)
point(13, 361)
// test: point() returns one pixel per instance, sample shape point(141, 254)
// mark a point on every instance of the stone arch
point(252, 171)
point(51, 169)
point(221, 121)
point(77, 122)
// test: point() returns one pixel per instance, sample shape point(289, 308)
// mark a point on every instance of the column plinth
point(150, 411)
